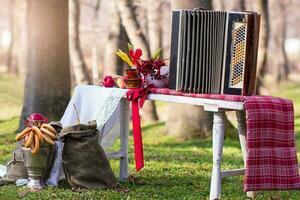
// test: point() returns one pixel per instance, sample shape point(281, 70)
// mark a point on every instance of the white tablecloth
point(96, 103)
point(92, 103)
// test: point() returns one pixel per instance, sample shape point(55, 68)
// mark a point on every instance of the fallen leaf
point(135, 180)
point(274, 198)
point(35, 190)
point(22, 193)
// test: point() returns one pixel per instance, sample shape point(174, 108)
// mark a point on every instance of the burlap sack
point(15, 167)
point(84, 161)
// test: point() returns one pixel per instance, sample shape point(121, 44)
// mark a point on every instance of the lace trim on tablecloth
point(107, 108)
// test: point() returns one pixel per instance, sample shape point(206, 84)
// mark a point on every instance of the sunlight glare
point(5, 38)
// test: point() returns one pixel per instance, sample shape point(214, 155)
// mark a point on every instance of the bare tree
point(233, 5)
point(11, 58)
point(16, 56)
point(79, 67)
point(261, 6)
point(97, 8)
point(279, 28)
point(187, 121)
point(154, 24)
point(131, 25)
point(47, 85)
point(117, 38)
point(137, 37)
point(218, 5)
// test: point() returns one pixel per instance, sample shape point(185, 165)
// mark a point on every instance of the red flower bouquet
point(153, 70)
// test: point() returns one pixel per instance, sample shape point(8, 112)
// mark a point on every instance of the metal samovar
point(36, 165)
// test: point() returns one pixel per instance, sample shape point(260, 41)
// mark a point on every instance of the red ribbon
point(137, 97)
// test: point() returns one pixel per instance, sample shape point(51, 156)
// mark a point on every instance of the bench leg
point(241, 119)
point(218, 142)
point(124, 128)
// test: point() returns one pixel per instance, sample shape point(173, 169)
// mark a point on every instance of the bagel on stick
point(38, 132)
point(36, 144)
point(50, 128)
point(48, 133)
point(48, 139)
point(23, 133)
point(29, 140)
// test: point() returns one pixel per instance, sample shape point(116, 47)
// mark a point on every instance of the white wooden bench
point(218, 107)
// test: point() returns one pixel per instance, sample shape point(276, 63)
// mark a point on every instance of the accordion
point(214, 51)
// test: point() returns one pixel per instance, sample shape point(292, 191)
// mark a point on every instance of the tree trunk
point(47, 85)
point(112, 64)
point(261, 6)
point(218, 5)
point(286, 66)
point(11, 58)
point(80, 69)
point(187, 121)
point(97, 8)
point(243, 5)
point(234, 5)
point(154, 25)
point(132, 27)
point(16, 54)
point(278, 26)
point(136, 36)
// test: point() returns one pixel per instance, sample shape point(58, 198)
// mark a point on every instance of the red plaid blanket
point(272, 161)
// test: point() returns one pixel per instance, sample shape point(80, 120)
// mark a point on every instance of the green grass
point(11, 96)
point(173, 169)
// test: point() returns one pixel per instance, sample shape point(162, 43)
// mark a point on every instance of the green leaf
point(157, 53)
point(129, 45)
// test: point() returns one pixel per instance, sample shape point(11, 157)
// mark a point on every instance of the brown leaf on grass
point(135, 180)
point(22, 193)
point(274, 198)
point(121, 189)
point(35, 190)
point(80, 190)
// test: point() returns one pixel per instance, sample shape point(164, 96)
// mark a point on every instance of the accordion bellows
point(214, 51)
